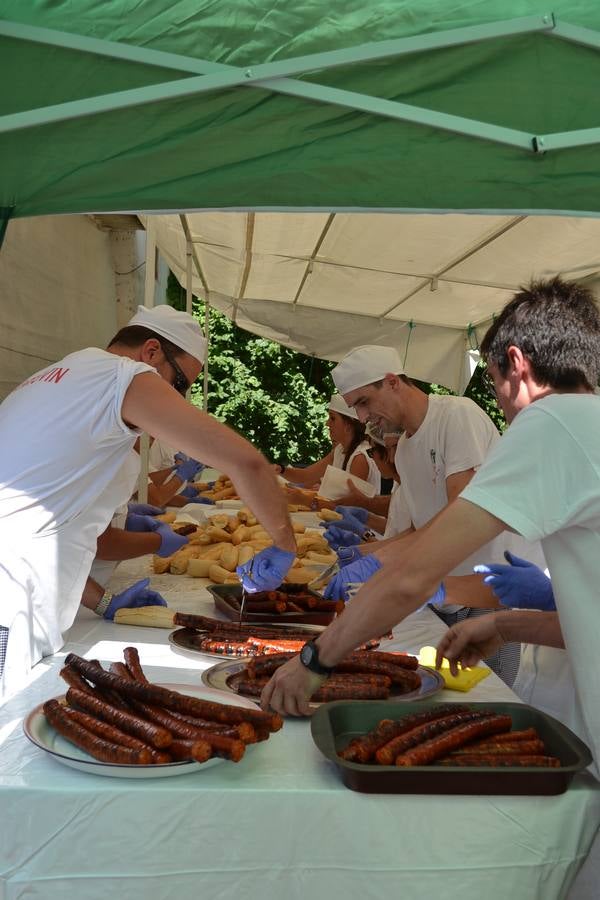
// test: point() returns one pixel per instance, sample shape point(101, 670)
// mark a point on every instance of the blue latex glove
point(169, 541)
point(339, 537)
point(188, 469)
point(348, 523)
point(201, 499)
point(189, 492)
point(266, 570)
point(144, 509)
point(356, 572)
point(134, 522)
point(347, 555)
point(521, 585)
point(133, 597)
point(358, 512)
point(438, 599)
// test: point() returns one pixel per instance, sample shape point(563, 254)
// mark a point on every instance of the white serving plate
point(43, 735)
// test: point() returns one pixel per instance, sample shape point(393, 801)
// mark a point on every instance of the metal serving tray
point(334, 724)
point(225, 676)
point(227, 599)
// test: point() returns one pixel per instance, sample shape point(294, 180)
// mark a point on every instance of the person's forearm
point(374, 611)
point(116, 544)
point(469, 590)
point(376, 523)
point(531, 627)
point(92, 594)
point(155, 407)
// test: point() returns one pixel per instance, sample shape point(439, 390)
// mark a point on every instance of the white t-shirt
point(543, 480)
point(62, 445)
point(160, 456)
point(398, 519)
point(454, 436)
point(373, 476)
point(102, 569)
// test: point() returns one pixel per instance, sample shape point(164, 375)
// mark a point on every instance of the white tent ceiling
point(323, 283)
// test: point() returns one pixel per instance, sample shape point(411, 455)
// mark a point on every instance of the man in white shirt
point(65, 434)
point(445, 440)
point(541, 480)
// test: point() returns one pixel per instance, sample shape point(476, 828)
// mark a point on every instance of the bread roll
point(199, 568)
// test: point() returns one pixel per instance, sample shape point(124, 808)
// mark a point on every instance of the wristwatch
point(309, 657)
point(104, 603)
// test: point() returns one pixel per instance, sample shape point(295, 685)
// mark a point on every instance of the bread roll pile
point(224, 542)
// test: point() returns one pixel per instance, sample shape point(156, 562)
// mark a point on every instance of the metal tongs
point(324, 577)
point(244, 594)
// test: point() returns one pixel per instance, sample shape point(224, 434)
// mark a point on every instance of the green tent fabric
point(245, 147)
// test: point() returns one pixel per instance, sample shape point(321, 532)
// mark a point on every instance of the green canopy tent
point(416, 106)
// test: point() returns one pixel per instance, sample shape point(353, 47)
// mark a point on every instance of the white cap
point(178, 327)
point(339, 405)
point(364, 365)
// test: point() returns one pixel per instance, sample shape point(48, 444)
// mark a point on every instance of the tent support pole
point(192, 255)
point(207, 336)
point(274, 76)
point(149, 302)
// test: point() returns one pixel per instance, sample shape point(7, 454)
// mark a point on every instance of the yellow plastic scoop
point(466, 678)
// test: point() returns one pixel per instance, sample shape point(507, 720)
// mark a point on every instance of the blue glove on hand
point(356, 573)
point(134, 522)
point(201, 499)
point(347, 555)
point(358, 512)
point(339, 537)
point(521, 585)
point(144, 509)
point(188, 469)
point(347, 523)
point(266, 570)
point(132, 597)
point(169, 541)
point(189, 492)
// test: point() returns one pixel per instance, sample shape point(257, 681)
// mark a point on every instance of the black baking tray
point(227, 599)
point(334, 724)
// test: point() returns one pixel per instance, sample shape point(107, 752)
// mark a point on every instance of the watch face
point(306, 655)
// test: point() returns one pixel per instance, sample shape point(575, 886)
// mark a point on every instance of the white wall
point(57, 293)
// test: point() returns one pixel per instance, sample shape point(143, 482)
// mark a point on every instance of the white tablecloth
point(278, 825)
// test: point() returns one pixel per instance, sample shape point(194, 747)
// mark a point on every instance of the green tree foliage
point(275, 397)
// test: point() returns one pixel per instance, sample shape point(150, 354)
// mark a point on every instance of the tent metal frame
point(209, 76)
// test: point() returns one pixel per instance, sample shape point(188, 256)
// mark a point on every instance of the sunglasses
point(180, 382)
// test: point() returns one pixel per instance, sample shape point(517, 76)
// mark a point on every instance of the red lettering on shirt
point(53, 376)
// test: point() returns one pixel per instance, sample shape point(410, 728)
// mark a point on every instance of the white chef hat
point(178, 327)
point(339, 405)
point(364, 365)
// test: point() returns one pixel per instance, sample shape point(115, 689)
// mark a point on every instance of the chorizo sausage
point(498, 760)
point(147, 732)
point(115, 735)
point(132, 661)
point(528, 748)
point(59, 717)
point(350, 691)
point(362, 748)
point(199, 751)
point(153, 694)
point(404, 660)
point(386, 755)
point(444, 743)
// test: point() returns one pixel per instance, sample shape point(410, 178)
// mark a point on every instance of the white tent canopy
point(322, 283)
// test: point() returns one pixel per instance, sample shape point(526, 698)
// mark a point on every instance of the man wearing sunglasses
point(66, 435)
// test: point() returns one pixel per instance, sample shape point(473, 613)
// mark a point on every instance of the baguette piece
point(149, 616)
